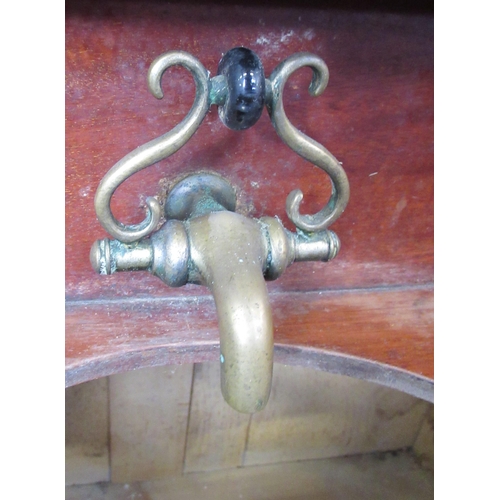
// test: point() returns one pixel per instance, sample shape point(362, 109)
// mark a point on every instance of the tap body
point(232, 255)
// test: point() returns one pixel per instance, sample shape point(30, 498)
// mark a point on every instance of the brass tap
point(232, 255)
point(204, 240)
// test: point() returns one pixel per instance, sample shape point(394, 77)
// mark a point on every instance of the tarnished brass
point(228, 253)
point(306, 147)
point(232, 255)
point(204, 241)
point(213, 91)
point(155, 150)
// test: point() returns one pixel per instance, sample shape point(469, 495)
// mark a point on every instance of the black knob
point(246, 88)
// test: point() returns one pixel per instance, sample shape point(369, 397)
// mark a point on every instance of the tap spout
point(205, 242)
point(228, 254)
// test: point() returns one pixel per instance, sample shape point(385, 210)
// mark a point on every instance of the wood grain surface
point(374, 301)
point(381, 336)
point(153, 423)
point(148, 418)
point(378, 476)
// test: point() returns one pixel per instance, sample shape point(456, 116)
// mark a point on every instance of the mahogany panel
point(368, 313)
point(376, 116)
point(383, 335)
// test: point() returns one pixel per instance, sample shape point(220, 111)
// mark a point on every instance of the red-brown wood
point(376, 116)
point(389, 327)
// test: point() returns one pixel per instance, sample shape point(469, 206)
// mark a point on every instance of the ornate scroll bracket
point(241, 91)
point(306, 147)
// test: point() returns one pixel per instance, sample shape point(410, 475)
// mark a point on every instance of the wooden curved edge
point(383, 336)
point(364, 369)
point(340, 364)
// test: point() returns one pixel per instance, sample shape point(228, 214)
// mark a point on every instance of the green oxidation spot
point(222, 358)
point(218, 90)
point(206, 205)
point(259, 404)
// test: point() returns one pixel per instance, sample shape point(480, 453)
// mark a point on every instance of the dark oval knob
point(246, 88)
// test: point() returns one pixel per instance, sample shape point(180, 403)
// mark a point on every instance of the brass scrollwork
point(306, 147)
point(155, 150)
point(215, 91)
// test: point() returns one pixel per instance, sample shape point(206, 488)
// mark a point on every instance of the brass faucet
point(204, 241)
